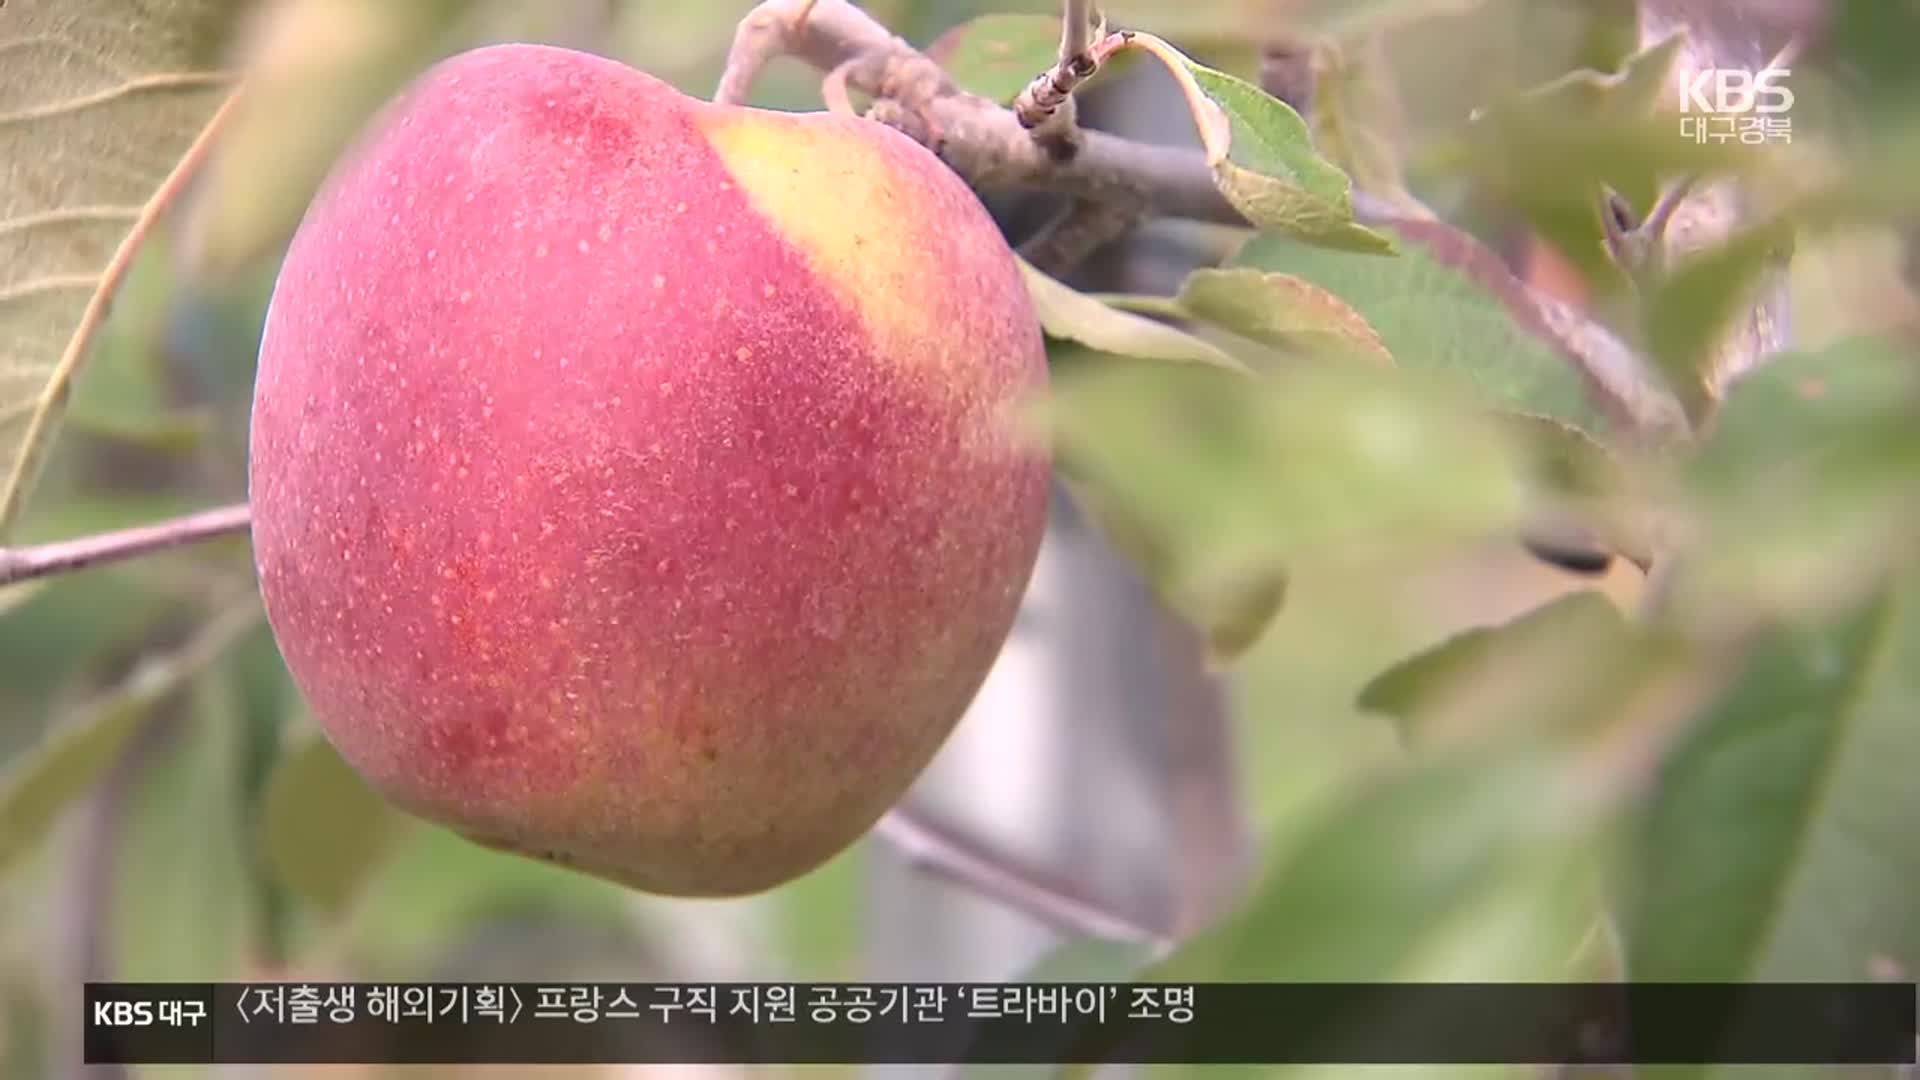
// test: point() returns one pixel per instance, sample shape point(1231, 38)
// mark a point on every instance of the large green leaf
point(100, 103)
point(1780, 844)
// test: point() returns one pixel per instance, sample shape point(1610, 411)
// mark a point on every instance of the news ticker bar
point(1026, 1023)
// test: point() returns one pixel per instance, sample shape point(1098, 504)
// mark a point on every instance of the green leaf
point(436, 886)
point(184, 906)
point(12, 596)
point(1802, 501)
point(1586, 488)
point(37, 788)
point(1231, 607)
point(996, 56)
point(817, 939)
point(1087, 960)
point(1321, 457)
point(1411, 689)
point(1460, 868)
point(56, 633)
point(123, 393)
point(1280, 310)
point(1691, 306)
point(324, 829)
point(102, 100)
point(1215, 482)
point(1779, 843)
point(1447, 307)
point(1070, 315)
point(1263, 157)
point(332, 63)
point(1355, 115)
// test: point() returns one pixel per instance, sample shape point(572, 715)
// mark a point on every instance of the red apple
point(635, 480)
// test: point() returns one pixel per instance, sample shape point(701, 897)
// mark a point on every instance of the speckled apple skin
point(636, 482)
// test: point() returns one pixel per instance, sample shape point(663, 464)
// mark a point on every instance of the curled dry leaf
point(102, 109)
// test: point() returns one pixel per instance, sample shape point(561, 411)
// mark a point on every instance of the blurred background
point(214, 836)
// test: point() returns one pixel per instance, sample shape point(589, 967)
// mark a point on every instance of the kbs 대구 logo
point(1724, 104)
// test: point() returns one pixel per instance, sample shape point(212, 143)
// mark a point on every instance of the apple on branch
point(636, 481)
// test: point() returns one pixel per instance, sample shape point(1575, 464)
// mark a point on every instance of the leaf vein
point(161, 81)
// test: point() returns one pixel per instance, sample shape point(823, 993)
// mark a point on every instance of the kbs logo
point(169, 1012)
point(122, 1013)
point(1723, 104)
point(1731, 90)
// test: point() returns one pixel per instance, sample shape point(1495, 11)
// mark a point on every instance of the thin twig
point(1046, 106)
point(63, 556)
point(1076, 32)
point(939, 851)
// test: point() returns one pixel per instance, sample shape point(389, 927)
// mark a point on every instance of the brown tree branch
point(63, 556)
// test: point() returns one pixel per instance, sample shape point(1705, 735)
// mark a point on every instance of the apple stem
point(20, 564)
point(938, 850)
